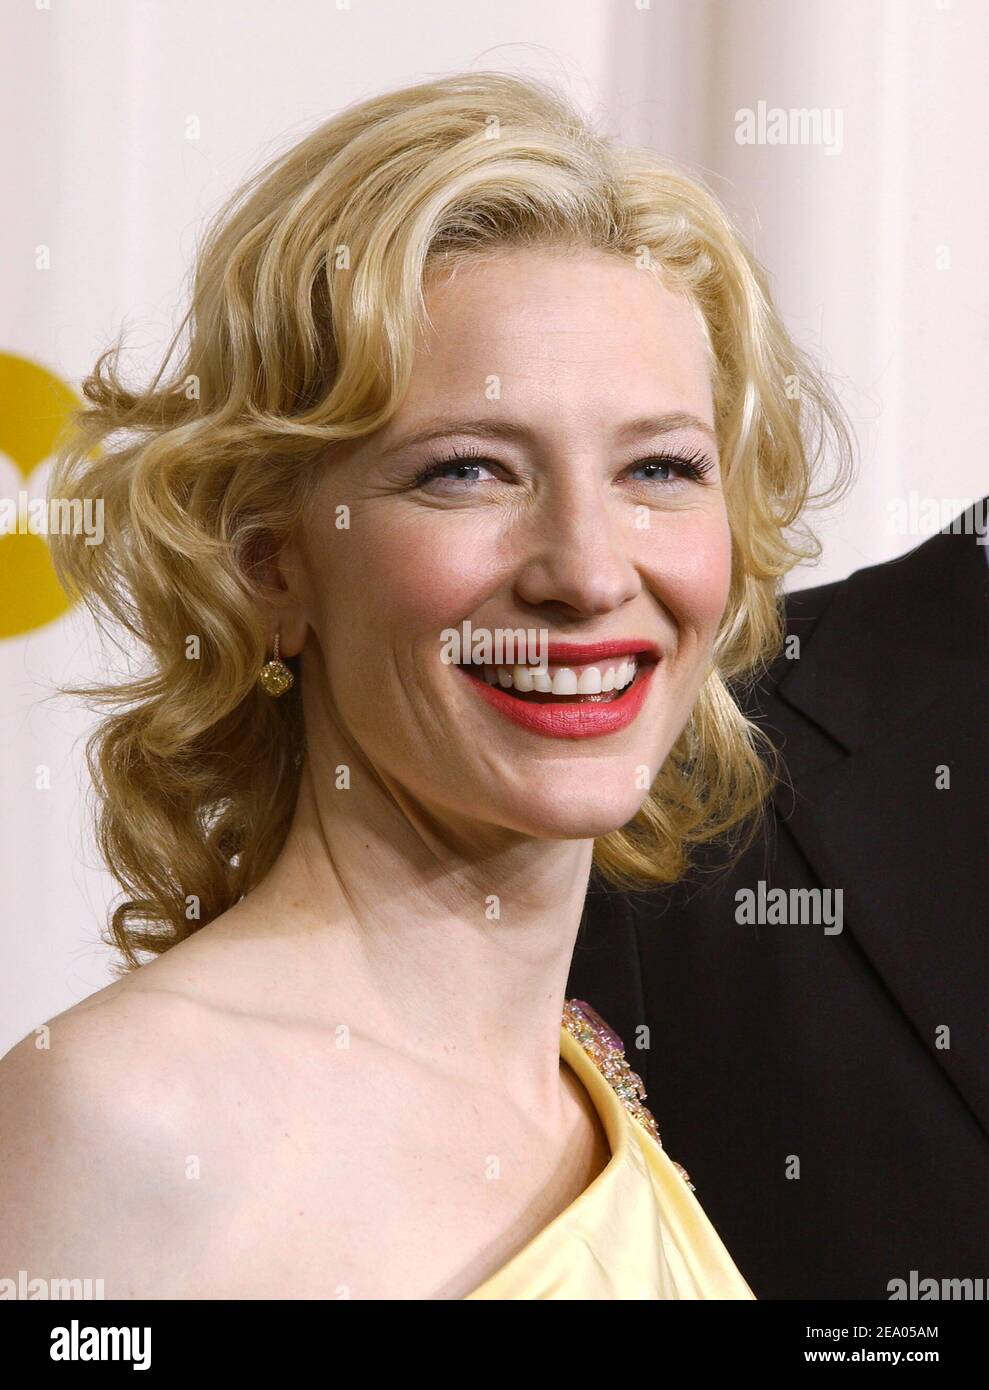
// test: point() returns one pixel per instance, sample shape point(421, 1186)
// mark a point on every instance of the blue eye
point(444, 470)
point(692, 466)
point(471, 461)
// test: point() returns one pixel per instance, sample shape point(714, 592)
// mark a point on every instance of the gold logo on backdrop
point(35, 406)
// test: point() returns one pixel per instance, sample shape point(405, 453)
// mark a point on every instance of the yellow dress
point(638, 1231)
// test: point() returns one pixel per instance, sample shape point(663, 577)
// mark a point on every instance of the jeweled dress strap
point(607, 1051)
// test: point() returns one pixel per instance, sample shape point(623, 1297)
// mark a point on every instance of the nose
point(579, 558)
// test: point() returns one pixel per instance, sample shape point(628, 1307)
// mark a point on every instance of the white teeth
point(589, 681)
point(592, 680)
point(565, 682)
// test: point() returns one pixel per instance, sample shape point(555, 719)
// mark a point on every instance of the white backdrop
point(125, 122)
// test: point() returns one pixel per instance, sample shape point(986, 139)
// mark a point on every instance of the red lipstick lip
point(560, 653)
point(590, 720)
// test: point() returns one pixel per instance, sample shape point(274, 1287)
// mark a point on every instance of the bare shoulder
point(111, 1043)
point(95, 1109)
point(194, 1128)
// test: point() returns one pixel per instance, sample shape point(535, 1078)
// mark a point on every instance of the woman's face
point(549, 498)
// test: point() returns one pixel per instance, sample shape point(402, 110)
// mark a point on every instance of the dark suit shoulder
point(862, 627)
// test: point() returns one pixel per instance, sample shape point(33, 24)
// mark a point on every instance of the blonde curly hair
point(306, 304)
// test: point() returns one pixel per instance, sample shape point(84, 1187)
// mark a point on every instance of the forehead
point(561, 322)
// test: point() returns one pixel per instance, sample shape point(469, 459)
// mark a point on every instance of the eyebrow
point(643, 426)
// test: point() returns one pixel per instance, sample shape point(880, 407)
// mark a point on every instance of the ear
point(280, 576)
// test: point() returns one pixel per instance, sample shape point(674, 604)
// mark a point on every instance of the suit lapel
point(607, 972)
point(895, 679)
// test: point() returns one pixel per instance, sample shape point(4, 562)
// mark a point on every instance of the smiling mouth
point(588, 684)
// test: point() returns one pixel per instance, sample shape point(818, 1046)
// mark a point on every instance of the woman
point(457, 368)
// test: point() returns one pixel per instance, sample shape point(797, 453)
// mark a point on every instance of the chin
point(585, 814)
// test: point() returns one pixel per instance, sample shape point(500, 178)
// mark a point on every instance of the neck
point(451, 942)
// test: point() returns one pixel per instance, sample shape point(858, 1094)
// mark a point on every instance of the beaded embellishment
point(607, 1051)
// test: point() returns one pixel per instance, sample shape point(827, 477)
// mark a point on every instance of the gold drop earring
point(274, 676)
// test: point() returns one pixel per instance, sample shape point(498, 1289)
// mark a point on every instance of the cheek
point(382, 578)
point(693, 572)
